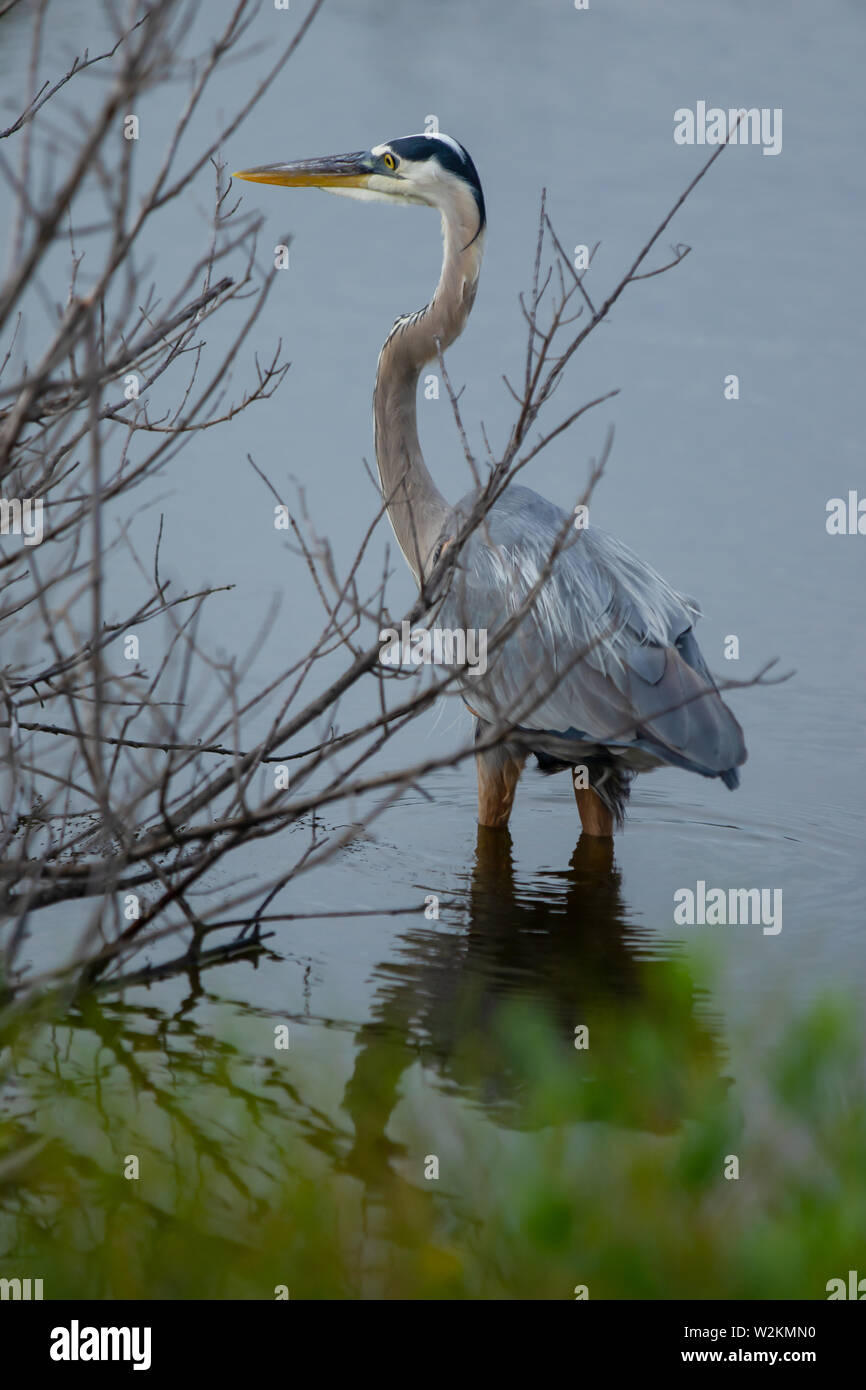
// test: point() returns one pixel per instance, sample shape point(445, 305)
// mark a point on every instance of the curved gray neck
point(415, 506)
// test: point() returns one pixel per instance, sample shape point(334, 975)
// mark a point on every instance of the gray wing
point(640, 682)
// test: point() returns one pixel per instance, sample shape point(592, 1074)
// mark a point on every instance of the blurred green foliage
point(603, 1167)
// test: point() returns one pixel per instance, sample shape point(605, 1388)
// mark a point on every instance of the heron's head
point(430, 169)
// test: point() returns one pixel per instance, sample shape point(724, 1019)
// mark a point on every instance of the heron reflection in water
point(556, 950)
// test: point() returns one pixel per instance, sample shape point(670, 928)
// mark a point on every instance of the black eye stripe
point(421, 147)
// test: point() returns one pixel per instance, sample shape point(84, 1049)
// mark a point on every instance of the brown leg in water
point(499, 772)
point(595, 818)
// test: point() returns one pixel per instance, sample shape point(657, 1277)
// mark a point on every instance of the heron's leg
point(499, 772)
point(595, 818)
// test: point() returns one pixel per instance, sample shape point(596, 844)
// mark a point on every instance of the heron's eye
point(389, 161)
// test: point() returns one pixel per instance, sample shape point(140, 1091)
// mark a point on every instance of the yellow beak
point(333, 171)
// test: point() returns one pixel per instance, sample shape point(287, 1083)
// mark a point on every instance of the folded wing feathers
point(642, 677)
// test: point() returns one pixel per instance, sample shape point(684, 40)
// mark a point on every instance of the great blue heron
point(640, 696)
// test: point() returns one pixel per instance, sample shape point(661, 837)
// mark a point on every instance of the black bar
point(257, 1337)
